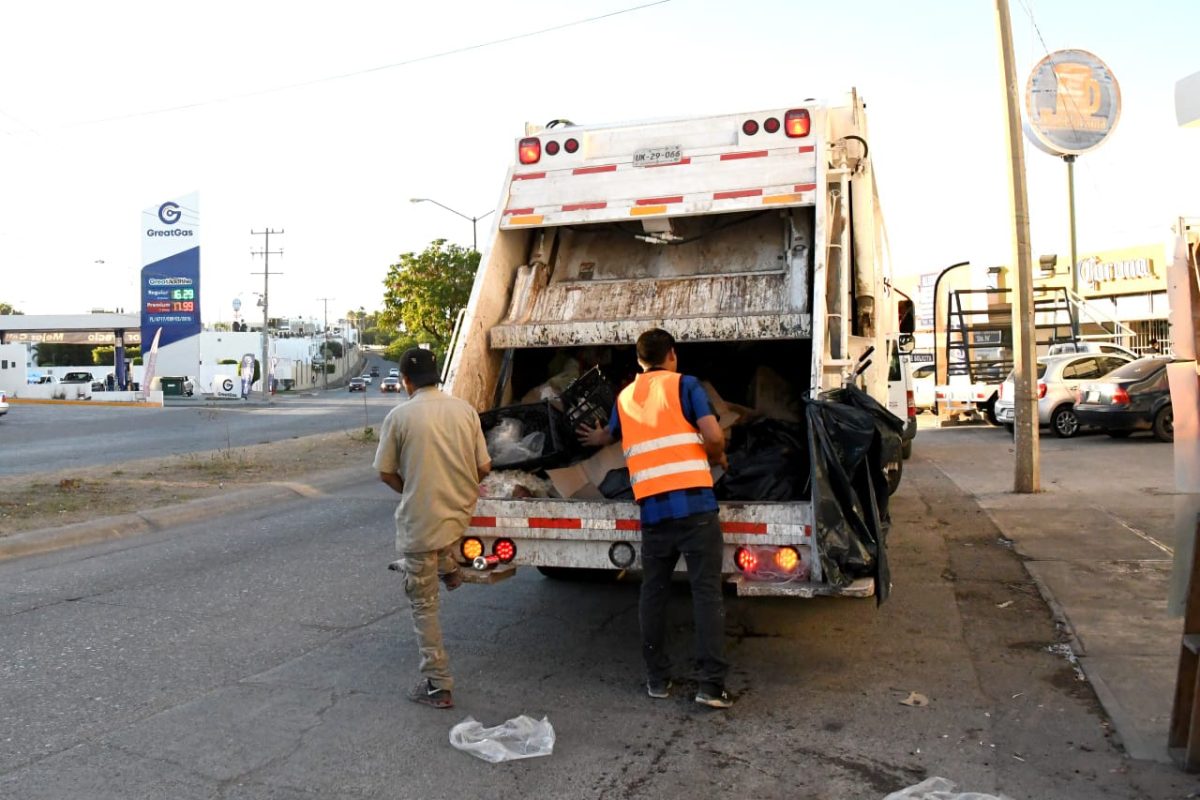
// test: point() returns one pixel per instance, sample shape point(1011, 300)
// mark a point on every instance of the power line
point(368, 70)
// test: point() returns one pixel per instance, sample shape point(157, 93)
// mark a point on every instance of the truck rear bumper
point(863, 587)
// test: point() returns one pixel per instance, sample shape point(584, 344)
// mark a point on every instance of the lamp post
point(474, 220)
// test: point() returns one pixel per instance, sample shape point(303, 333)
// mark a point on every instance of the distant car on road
point(1058, 378)
point(365, 378)
point(3, 404)
point(394, 372)
point(1134, 397)
point(390, 384)
point(374, 372)
point(357, 385)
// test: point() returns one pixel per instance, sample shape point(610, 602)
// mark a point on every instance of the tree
point(424, 292)
point(106, 355)
point(7, 308)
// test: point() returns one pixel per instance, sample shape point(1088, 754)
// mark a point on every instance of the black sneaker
point(658, 689)
point(427, 694)
point(713, 697)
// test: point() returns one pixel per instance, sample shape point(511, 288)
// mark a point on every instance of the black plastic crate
point(541, 417)
point(588, 400)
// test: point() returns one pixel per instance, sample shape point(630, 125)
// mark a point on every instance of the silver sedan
point(1057, 379)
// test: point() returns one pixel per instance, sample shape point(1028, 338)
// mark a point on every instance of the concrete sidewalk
point(1099, 544)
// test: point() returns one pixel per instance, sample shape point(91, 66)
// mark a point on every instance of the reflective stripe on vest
point(663, 441)
point(663, 451)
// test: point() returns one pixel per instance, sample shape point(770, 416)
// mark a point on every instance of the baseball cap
point(419, 366)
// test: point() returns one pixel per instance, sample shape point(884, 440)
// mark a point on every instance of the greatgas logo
point(168, 212)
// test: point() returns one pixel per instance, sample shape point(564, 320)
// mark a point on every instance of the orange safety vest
point(664, 452)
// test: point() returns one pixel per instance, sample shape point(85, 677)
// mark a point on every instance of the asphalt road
point(266, 654)
point(35, 438)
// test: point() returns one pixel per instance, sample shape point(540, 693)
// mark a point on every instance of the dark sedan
point(390, 385)
point(358, 385)
point(1134, 397)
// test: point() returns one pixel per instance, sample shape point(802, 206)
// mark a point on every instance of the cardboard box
point(580, 480)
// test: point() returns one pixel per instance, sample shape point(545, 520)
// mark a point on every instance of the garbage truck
point(755, 239)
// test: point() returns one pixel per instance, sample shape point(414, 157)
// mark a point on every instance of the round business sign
point(227, 385)
point(1072, 102)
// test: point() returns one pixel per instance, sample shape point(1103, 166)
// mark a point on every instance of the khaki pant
point(421, 571)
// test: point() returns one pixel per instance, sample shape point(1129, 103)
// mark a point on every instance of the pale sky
point(87, 142)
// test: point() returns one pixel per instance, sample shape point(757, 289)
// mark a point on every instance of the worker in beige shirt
point(431, 451)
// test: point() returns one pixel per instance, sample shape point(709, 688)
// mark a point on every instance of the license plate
point(653, 156)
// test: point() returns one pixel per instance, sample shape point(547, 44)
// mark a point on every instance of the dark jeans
point(698, 538)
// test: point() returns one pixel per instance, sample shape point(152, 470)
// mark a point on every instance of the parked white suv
point(1057, 379)
point(3, 404)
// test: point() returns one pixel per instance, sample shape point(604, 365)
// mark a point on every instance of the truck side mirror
point(908, 320)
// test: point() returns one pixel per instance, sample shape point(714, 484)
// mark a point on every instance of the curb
point(122, 526)
point(36, 401)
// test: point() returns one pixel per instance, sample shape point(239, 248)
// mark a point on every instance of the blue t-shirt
point(679, 503)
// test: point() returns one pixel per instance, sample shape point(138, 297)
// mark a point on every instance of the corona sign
point(1072, 102)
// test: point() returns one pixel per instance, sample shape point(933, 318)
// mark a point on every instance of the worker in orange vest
point(671, 436)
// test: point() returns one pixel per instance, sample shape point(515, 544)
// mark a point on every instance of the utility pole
point(325, 343)
point(1027, 478)
point(266, 253)
point(1070, 162)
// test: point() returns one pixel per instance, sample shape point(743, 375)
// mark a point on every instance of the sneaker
point(452, 580)
point(427, 694)
point(714, 697)
point(658, 689)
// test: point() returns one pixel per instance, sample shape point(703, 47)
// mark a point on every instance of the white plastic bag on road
point(939, 789)
point(519, 737)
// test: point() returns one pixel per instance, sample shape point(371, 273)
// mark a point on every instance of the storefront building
point(1124, 293)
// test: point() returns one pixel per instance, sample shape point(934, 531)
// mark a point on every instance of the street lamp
point(474, 220)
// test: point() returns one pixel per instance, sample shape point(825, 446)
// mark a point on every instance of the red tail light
point(796, 123)
point(745, 559)
point(571, 145)
point(912, 403)
point(771, 125)
point(1120, 396)
point(551, 148)
point(505, 550)
point(1041, 390)
point(749, 127)
point(530, 151)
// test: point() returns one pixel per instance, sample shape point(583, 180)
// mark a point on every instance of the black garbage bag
point(849, 489)
point(768, 460)
point(616, 486)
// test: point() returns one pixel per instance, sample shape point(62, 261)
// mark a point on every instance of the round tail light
point(471, 548)
point(745, 559)
point(749, 127)
point(505, 550)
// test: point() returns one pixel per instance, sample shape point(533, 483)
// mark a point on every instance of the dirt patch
point(49, 499)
